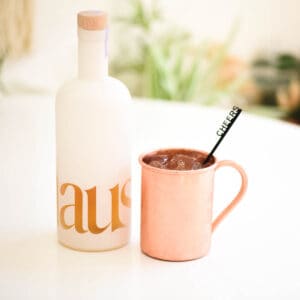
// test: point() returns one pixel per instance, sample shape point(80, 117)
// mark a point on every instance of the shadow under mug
point(176, 213)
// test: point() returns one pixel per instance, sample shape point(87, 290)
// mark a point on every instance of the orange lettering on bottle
point(92, 208)
point(124, 198)
point(115, 218)
point(92, 212)
point(77, 207)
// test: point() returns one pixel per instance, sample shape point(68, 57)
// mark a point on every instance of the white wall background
point(265, 25)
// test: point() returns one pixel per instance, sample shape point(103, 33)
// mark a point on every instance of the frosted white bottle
point(93, 147)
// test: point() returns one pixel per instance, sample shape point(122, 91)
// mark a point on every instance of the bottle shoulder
point(109, 87)
point(114, 82)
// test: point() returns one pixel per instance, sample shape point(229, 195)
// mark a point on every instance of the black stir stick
point(226, 125)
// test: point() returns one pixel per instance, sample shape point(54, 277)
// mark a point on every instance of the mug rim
point(175, 172)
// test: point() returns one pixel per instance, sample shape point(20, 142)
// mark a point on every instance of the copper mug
point(176, 213)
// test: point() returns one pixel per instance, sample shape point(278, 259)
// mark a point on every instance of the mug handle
point(238, 197)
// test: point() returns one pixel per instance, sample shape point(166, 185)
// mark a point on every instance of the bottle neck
point(92, 54)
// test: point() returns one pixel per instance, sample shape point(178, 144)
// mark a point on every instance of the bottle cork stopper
point(92, 20)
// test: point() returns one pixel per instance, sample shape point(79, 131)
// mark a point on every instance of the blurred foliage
point(159, 61)
point(16, 31)
point(2, 85)
point(278, 80)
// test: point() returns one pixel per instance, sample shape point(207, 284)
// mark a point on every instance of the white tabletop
point(255, 251)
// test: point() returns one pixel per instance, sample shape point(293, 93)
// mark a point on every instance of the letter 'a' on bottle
point(93, 146)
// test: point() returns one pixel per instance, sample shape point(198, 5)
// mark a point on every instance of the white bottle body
point(93, 164)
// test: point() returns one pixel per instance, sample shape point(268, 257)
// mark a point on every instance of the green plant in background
point(278, 80)
point(165, 63)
